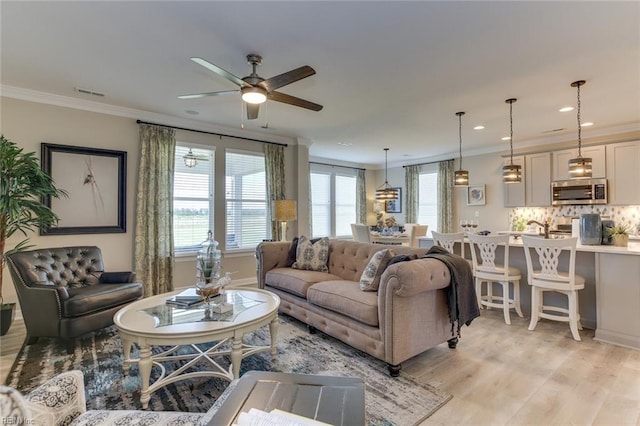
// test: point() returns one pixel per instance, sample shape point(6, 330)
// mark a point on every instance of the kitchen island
point(610, 301)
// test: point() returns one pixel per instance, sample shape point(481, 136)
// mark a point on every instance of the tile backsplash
point(621, 215)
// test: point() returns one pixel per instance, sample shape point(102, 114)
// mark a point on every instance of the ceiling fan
point(255, 89)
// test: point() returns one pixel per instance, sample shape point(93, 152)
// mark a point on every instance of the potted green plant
point(619, 235)
point(23, 186)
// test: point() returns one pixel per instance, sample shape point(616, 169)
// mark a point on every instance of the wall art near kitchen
point(394, 206)
point(476, 195)
point(96, 181)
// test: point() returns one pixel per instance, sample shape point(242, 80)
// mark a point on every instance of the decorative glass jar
point(209, 261)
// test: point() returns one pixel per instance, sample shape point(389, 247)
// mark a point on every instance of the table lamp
point(284, 211)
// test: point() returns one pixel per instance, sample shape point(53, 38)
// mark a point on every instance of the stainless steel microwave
point(579, 191)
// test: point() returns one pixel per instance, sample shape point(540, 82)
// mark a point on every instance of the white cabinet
point(538, 180)
point(514, 192)
point(561, 161)
point(623, 173)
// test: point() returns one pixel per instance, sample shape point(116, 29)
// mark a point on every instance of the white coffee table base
point(229, 341)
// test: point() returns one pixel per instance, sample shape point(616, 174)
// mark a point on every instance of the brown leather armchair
point(64, 292)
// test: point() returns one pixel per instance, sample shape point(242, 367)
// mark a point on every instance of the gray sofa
point(405, 317)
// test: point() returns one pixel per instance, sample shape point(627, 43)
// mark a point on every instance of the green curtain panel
point(274, 167)
point(411, 183)
point(361, 200)
point(445, 196)
point(154, 260)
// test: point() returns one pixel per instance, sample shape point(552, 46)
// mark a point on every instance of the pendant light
point(190, 160)
point(386, 192)
point(511, 173)
point(579, 167)
point(461, 177)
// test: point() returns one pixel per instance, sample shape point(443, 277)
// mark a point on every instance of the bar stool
point(447, 241)
point(548, 278)
point(486, 270)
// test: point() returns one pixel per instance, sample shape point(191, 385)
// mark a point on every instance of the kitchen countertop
point(632, 249)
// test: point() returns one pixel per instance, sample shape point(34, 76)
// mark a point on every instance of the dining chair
point(415, 231)
point(361, 232)
point(448, 241)
point(487, 270)
point(549, 279)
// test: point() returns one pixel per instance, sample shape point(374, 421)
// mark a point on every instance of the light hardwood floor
point(507, 375)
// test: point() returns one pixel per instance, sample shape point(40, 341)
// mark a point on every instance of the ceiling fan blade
point(278, 81)
point(252, 111)
point(292, 100)
point(221, 72)
point(204, 95)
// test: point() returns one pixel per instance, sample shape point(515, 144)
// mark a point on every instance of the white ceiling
point(389, 74)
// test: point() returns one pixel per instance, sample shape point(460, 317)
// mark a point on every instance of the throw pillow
point(293, 250)
point(370, 279)
point(312, 256)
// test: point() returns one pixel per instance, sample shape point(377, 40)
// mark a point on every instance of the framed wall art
point(476, 195)
point(394, 206)
point(96, 183)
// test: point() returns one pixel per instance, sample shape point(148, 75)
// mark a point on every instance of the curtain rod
point(336, 165)
point(211, 133)
point(431, 162)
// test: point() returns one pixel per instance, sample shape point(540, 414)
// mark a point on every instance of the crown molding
point(135, 114)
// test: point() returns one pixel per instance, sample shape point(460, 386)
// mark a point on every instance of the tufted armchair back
point(69, 267)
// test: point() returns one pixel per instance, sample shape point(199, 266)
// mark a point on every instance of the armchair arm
point(271, 255)
point(117, 277)
point(59, 400)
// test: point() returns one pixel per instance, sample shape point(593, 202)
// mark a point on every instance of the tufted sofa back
point(348, 259)
point(63, 267)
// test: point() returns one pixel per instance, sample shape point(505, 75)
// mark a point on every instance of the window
point(246, 200)
point(428, 197)
point(192, 198)
point(333, 201)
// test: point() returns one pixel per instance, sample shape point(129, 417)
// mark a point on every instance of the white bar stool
point(448, 241)
point(548, 278)
point(486, 270)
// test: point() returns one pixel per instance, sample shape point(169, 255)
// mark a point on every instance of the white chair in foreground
point(548, 278)
point(448, 241)
point(486, 270)
point(361, 232)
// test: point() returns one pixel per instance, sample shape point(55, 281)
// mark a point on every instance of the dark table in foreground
point(333, 400)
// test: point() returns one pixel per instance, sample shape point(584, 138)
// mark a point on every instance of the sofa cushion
point(345, 297)
point(95, 298)
point(370, 279)
point(296, 281)
point(312, 256)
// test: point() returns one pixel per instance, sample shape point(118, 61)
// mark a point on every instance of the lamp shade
point(461, 178)
point(512, 173)
point(284, 210)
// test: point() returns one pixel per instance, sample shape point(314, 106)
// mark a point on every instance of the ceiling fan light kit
point(460, 177)
point(386, 192)
point(579, 167)
point(255, 90)
point(190, 160)
point(511, 173)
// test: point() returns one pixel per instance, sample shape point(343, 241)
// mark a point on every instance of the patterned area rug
point(389, 401)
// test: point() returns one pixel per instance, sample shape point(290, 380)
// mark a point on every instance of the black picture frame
point(394, 206)
point(96, 182)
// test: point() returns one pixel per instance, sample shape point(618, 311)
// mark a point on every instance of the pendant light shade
point(190, 160)
point(579, 167)
point(511, 173)
point(460, 177)
point(386, 192)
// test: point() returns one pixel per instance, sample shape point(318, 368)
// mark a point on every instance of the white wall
point(30, 123)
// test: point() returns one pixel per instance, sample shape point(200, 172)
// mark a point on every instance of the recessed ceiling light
point(345, 143)
point(191, 112)
point(506, 138)
point(587, 124)
point(478, 128)
point(566, 109)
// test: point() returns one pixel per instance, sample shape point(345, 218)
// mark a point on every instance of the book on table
point(186, 298)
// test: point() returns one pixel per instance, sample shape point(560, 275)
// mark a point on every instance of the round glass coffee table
point(152, 322)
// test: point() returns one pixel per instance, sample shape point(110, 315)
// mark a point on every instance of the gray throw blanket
point(461, 293)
